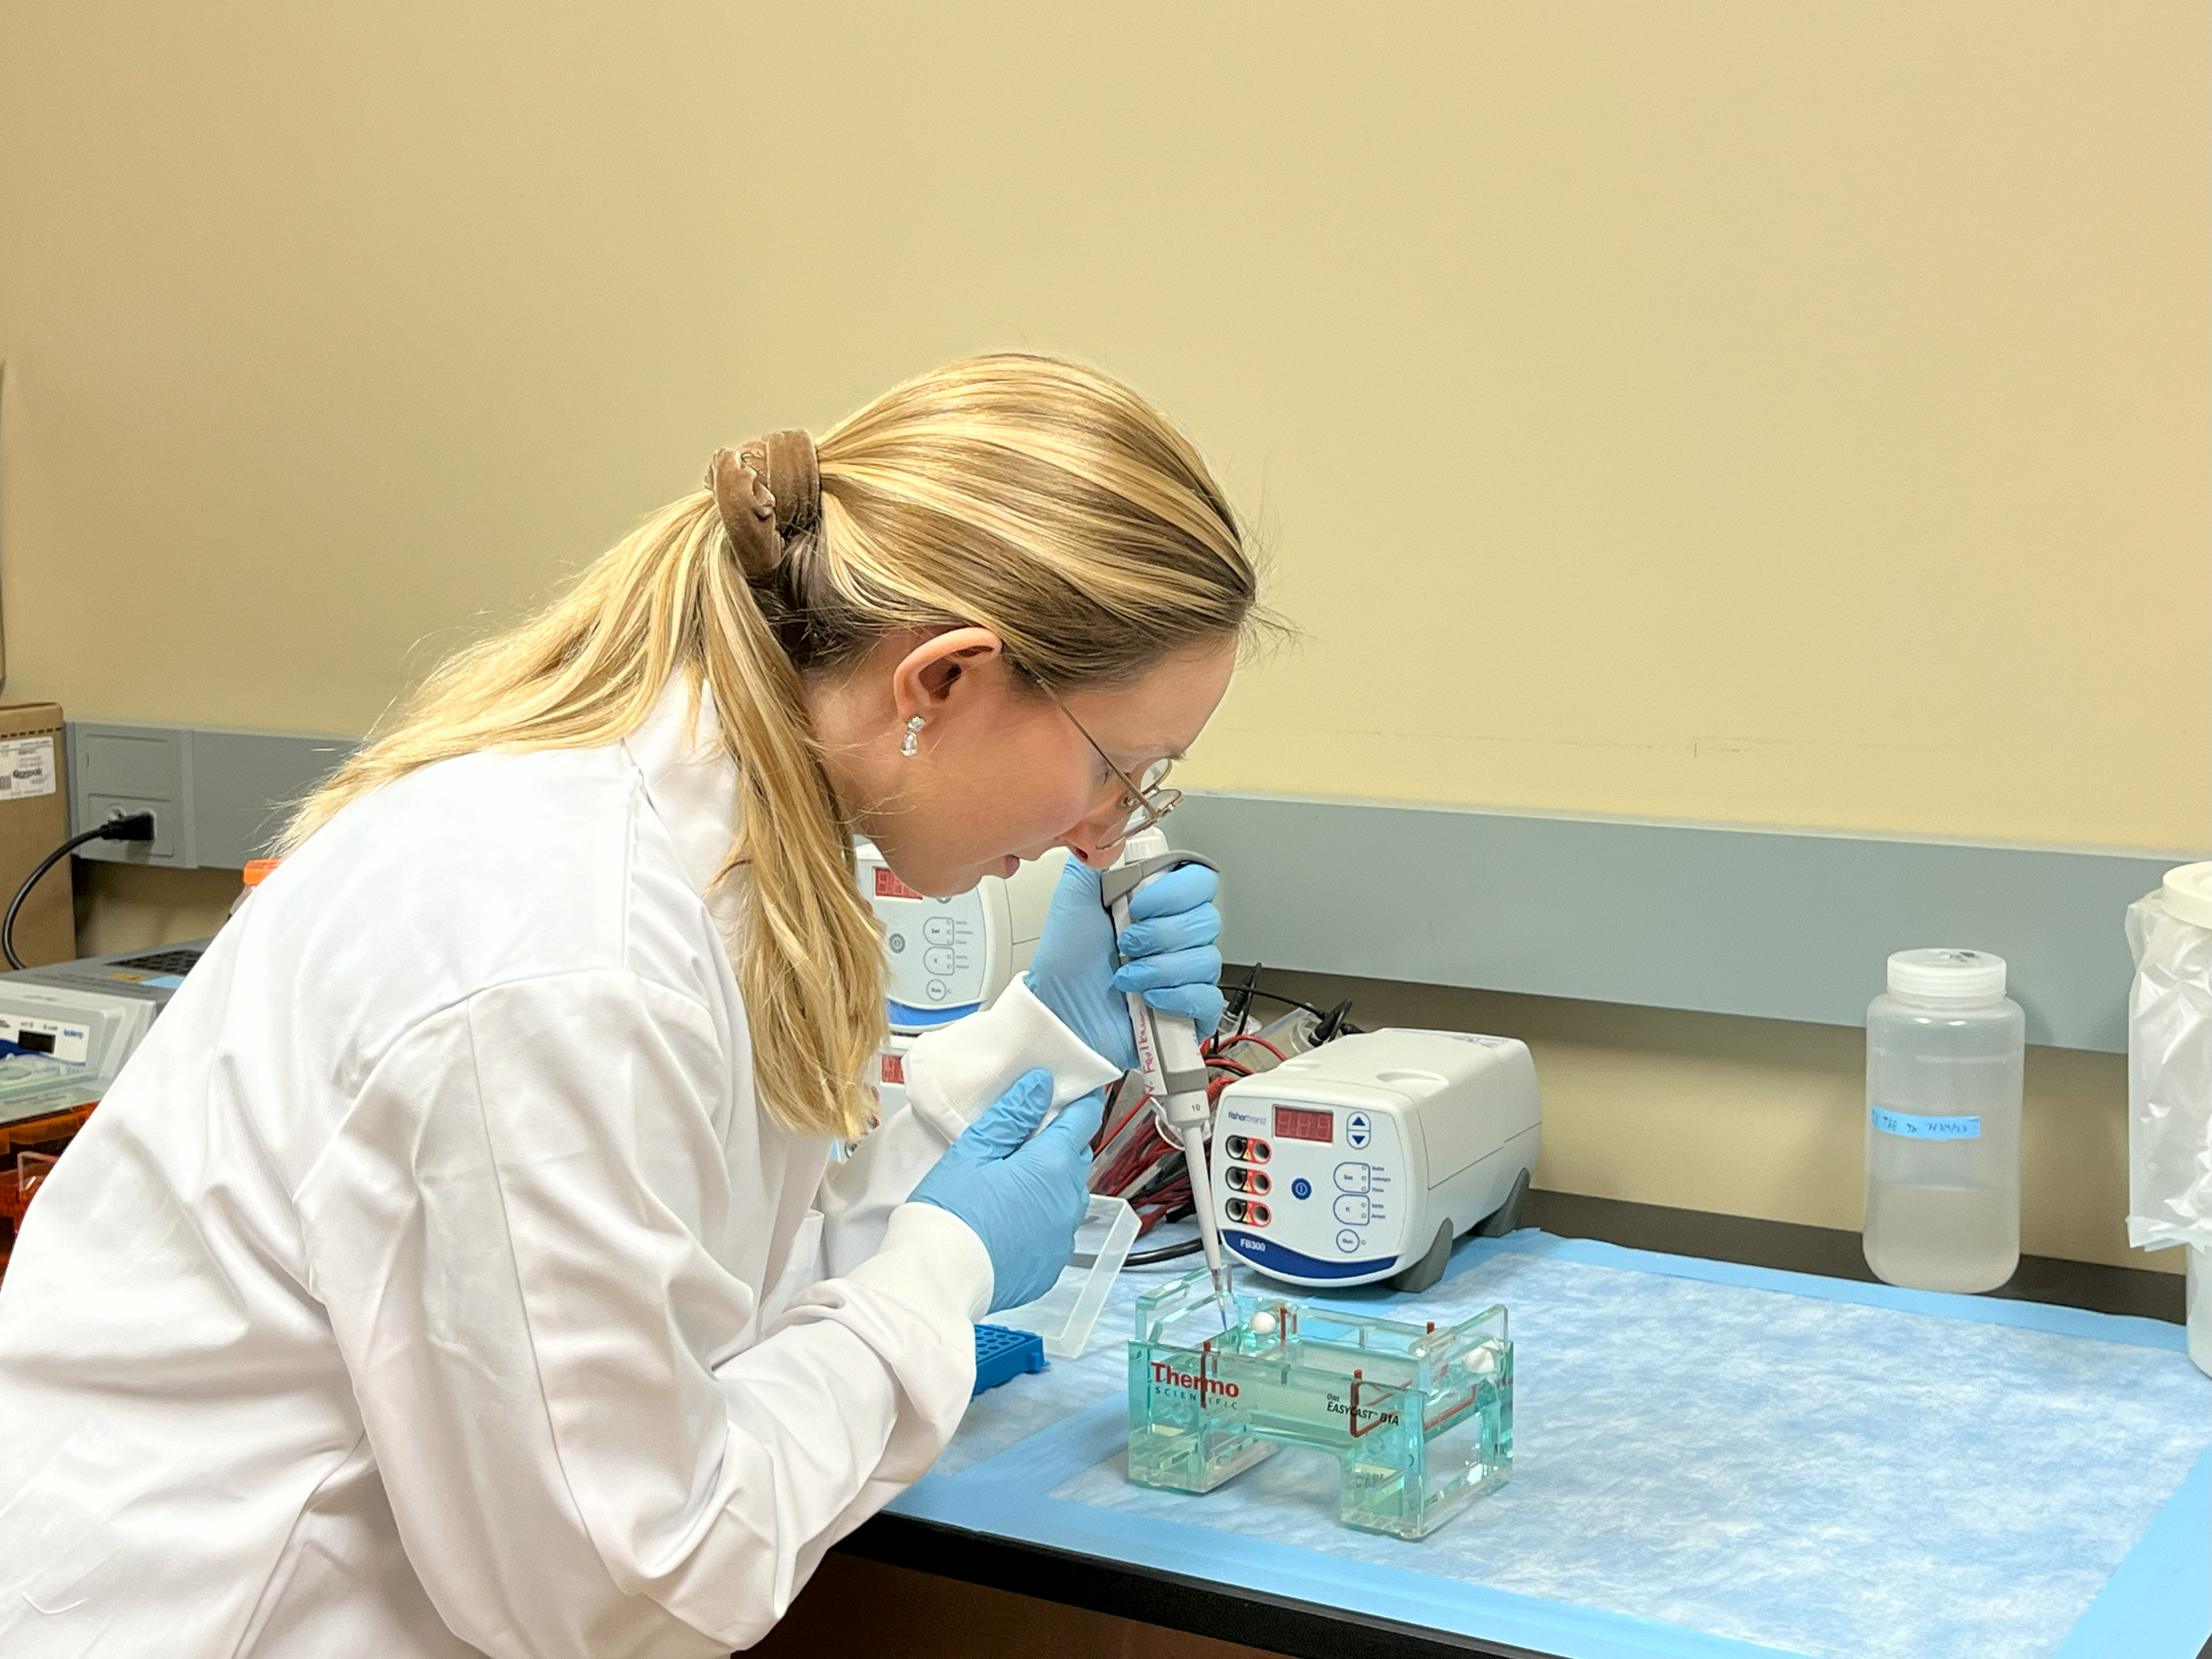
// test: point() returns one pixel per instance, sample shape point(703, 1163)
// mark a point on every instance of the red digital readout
point(894, 1069)
point(890, 886)
point(1299, 1123)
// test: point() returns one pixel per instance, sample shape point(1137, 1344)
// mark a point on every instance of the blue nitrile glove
point(1021, 1189)
point(1167, 952)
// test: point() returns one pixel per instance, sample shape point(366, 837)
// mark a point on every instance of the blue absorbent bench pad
point(1708, 1459)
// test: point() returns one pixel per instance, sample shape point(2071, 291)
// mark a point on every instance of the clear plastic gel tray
point(1067, 1314)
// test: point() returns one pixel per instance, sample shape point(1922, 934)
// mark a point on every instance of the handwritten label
point(1914, 1127)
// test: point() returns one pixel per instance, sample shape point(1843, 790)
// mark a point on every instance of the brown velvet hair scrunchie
point(766, 489)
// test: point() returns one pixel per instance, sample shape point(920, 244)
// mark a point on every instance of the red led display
point(1300, 1123)
point(890, 886)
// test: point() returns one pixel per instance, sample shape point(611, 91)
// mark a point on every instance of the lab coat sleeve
point(586, 1447)
point(952, 1074)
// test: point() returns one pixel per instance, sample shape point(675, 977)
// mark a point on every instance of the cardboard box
point(34, 821)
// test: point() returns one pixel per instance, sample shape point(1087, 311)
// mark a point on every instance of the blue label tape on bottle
point(1914, 1127)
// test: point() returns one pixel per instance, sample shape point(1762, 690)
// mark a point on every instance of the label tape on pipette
point(1915, 1126)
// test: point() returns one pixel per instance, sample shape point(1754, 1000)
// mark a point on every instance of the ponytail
point(812, 969)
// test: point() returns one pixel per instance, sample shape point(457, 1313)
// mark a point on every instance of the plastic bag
point(2169, 1078)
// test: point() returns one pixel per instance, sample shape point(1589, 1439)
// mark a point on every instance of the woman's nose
point(1098, 839)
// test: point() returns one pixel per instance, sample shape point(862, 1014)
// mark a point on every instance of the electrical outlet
point(162, 850)
point(133, 768)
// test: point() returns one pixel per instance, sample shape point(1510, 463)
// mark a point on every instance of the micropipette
point(1168, 1054)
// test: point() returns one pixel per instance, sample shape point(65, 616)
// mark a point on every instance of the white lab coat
point(431, 1280)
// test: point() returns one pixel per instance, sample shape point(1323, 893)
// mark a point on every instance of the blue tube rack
point(1003, 1353)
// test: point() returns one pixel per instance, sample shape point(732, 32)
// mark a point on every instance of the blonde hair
point(1034, 497)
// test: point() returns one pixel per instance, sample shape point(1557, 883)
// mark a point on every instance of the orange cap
point(257, 870)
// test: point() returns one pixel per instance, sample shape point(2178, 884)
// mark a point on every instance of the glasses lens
point(1157, 804)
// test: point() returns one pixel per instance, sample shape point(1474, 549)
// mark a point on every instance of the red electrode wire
point(1105, 1136)
point(1228, 1043)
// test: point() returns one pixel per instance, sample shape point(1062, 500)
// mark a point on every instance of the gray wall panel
point(219, 795)
point(244, 785)
point(1707, 917)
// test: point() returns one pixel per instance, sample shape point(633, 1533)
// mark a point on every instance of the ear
point(923, 682)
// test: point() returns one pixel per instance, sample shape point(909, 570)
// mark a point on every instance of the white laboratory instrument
point(1365, 1158)
point(949, 956)
point(1167, 1048)
point(68, 1027)
point(889, 1080)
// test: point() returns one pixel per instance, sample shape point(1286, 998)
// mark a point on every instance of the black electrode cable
point(1165, 1253)
point(133, 826)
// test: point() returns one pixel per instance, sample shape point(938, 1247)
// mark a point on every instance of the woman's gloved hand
point(1169, 951)
point(1021, 1189)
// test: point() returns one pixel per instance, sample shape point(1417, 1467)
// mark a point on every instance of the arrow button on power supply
point(1355, 1130)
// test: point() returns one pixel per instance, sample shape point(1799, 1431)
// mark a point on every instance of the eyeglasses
point(1145, 799)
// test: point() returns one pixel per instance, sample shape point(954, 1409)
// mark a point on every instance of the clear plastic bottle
point(1944, 1050)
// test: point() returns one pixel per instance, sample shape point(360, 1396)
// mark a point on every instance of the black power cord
point(130, 826)
point(1334, 1021)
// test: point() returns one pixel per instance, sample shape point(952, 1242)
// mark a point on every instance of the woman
point(461, 1265)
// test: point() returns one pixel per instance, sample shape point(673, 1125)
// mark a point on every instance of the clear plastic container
point(2170, 1084)
point(1944, 1049)
point(1066, 1314)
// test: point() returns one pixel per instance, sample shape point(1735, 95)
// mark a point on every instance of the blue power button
point(1302, 1188)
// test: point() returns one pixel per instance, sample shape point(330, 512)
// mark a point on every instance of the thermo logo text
point(1175, 1379)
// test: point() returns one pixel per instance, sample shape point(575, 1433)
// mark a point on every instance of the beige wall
point(122, 907)
point(1788, 414)
point(1784, 413)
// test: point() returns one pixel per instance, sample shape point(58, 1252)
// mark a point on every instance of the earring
point(913, 736)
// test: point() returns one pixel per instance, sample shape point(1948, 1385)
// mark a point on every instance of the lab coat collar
point(692, 785)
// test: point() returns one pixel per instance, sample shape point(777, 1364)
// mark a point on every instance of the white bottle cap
point(2188, 893)
point(1948, 975)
